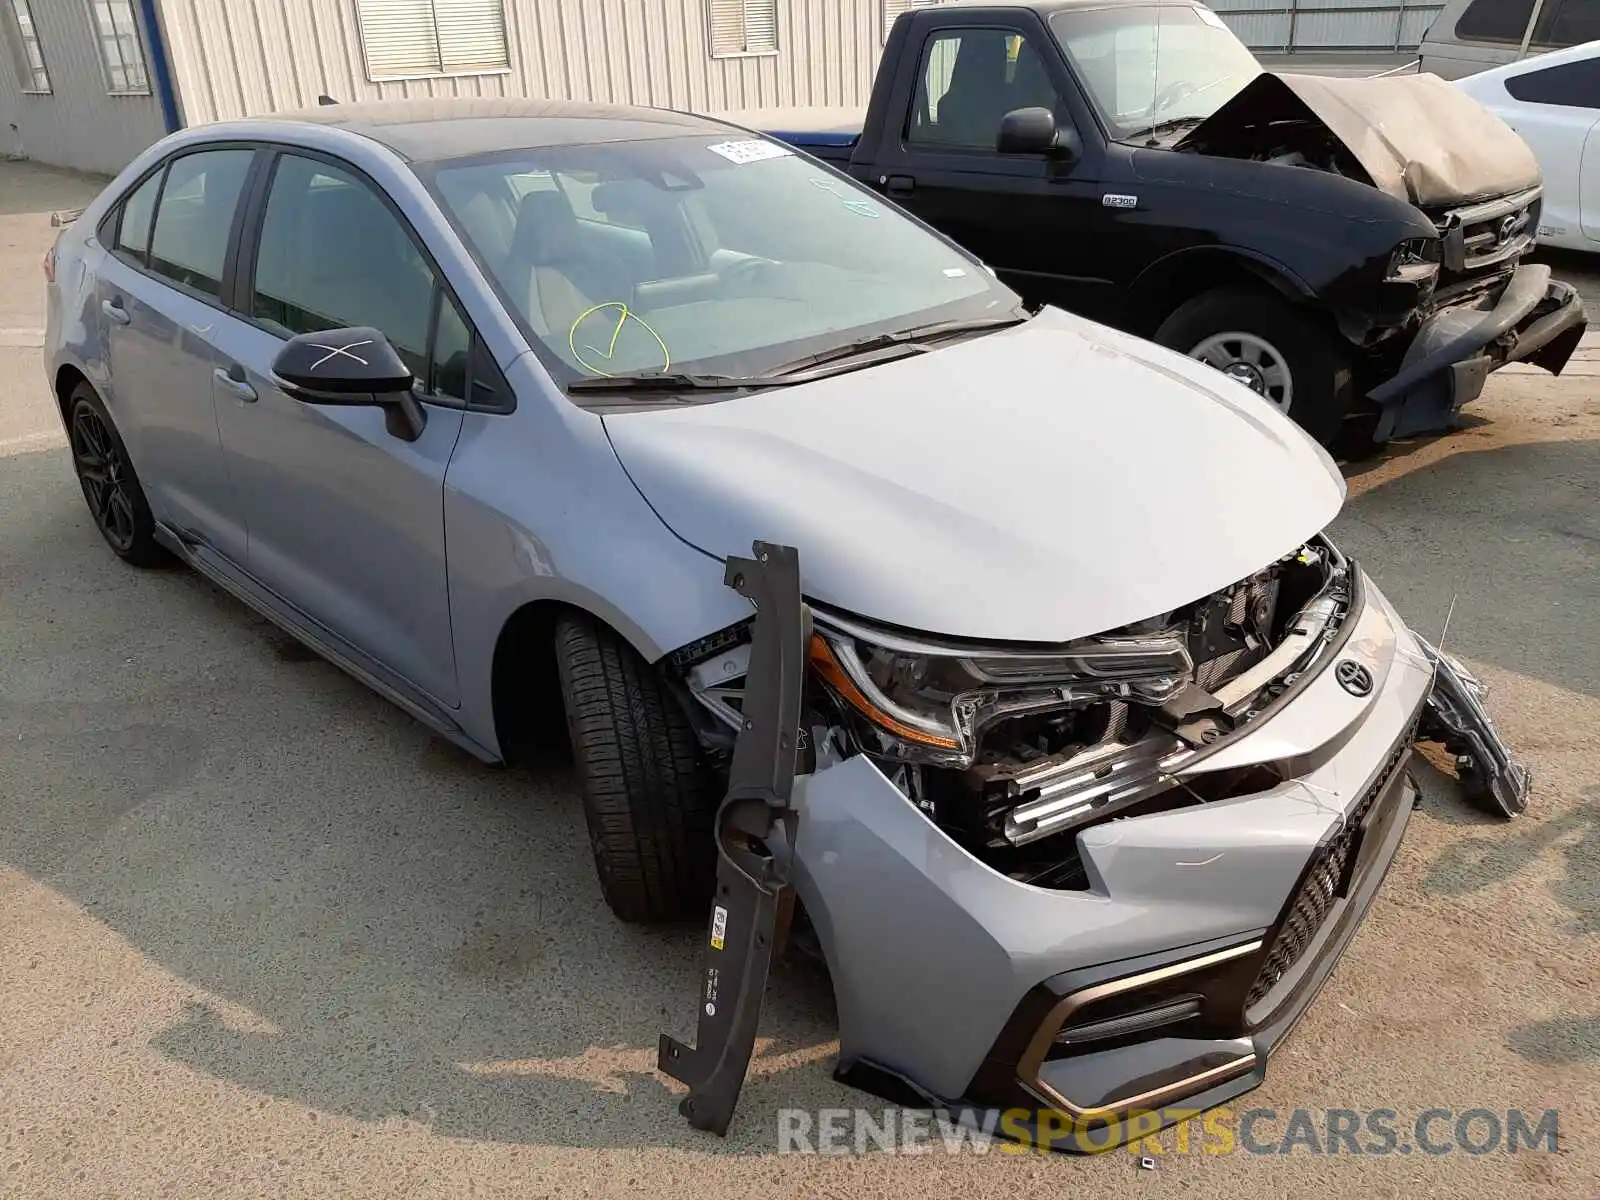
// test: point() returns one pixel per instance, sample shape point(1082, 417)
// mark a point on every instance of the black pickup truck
point(1350, 248)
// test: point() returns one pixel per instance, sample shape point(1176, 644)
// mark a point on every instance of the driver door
point(345, 518)
point(1036, 219)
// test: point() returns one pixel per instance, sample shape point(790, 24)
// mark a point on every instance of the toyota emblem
point(1353, 677)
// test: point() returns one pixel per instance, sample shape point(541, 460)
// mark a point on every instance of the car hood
point(1039, 484)
point(1414, 136)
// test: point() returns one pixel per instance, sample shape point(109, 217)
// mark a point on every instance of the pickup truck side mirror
point(1034, 131)
point(347, 367)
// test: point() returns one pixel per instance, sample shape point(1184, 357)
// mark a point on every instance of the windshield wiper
point(673, 383)
point(801, 370)
point(910, 339)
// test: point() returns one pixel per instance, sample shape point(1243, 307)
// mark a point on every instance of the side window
point(1574, 84)
point(1565, 23)
point(190, 242)
point(969, 80)
point(452, 352)
point(332, 254)
point(1494, 21)
point(133, 235)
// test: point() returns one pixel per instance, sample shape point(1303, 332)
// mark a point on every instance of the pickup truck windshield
point(712, 255)
point(1154, 67)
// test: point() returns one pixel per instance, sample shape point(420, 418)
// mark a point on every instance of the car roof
point(430, 130)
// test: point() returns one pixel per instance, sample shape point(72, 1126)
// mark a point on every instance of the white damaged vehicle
point(861, 586)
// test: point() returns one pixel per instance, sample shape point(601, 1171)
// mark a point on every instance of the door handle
point(234, 383)
point(900, 185)
point(114, 310)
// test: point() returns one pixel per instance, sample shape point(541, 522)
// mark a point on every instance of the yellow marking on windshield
point(624, 315)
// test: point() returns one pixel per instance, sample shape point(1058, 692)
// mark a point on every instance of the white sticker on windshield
point(1209, 17)
point(954, 273)
point(753, 150)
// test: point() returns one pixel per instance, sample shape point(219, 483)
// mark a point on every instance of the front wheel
point(648, 798)
point(1263, 342)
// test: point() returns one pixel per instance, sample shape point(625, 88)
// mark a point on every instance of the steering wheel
point(1171, 94)
point(746, 270)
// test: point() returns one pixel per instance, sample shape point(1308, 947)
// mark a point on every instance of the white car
point(1553, 101)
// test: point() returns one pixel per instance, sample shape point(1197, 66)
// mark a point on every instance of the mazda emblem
point(1353, 677)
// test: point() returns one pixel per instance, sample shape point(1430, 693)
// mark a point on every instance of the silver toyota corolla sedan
point(1009, 646)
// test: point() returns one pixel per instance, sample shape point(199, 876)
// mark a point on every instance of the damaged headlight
point(1414, 261)
point(929, 701)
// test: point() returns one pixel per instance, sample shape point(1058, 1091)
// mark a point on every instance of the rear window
point(133, 233)
point(1494, 21)
point(1569, 23)
point(1571, 85)
point(190, 242)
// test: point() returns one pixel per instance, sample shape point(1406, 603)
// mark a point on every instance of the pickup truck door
point(1038, 220)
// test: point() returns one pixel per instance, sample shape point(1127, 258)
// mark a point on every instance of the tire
point(111, 487)
point(647, 796)
point(1272, 340)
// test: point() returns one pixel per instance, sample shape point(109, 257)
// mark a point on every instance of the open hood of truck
point(1413, 136)
point(1040, 484)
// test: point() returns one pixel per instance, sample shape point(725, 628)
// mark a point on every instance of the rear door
point(1037, 220)
point(1556, 110)
point(346, 518)
point(160, 290)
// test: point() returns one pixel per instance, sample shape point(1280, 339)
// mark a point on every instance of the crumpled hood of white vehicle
point(1040, 484)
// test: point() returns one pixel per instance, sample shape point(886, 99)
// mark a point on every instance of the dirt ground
point(261, 934)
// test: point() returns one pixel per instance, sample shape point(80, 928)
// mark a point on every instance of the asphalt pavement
point(261, 934)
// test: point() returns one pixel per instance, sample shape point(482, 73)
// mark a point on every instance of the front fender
point(537, 508)
point(1177, 276)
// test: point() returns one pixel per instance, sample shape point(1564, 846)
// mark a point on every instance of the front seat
point(564, 276)
point(979, 94)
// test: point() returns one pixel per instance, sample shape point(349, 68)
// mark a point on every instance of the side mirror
point(1034, 131)
point(355, 366)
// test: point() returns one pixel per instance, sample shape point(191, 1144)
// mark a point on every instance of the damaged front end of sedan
point(1068, 883)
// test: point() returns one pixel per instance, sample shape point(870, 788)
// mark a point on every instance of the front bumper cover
point(1534, 319)
point(1073, 1019)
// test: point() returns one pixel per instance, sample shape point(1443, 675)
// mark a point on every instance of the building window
point(741, 27)
point(25, 48)
point(116, 32)
point(893, 8)
point(405, 39)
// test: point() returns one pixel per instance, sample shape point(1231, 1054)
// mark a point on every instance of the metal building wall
point(77, 125)
point(234, 58)
point(1313, 25)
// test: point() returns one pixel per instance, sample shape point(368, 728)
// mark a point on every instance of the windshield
point(1154, 66)
point(715, 254)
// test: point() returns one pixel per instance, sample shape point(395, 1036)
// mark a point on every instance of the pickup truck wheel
point(647, 796)
point(1277, 352)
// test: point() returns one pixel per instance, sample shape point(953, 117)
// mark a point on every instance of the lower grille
point(1325, 882)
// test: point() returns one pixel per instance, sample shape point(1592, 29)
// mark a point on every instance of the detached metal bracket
point(1491, 778)
point(750, 914)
